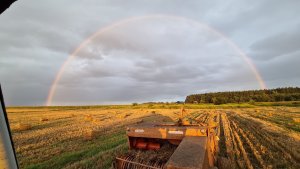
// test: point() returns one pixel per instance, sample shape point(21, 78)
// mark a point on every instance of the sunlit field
point(261, 135)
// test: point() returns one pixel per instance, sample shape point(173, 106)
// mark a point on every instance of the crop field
point(260, 138)
point(91, 136)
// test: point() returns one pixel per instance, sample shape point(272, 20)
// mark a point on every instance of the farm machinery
point(186, 146)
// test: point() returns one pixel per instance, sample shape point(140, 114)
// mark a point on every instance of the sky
point(158, 50)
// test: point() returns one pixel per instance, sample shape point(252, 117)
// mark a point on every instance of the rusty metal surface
point(196, 146)
point(165, 131)
point(190, 154)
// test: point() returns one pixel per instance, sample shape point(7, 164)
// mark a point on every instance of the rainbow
point(133, 19)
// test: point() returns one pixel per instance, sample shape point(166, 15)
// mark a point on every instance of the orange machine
point(196, 145)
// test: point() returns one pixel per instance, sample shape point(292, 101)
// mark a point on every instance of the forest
point(265, 95)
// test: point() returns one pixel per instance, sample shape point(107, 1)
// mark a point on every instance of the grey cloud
point(146, 60)
point(162, 65)
point(279, 44)
point(258, 18)
point(285, 68)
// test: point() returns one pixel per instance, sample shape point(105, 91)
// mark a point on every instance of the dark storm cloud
point(151, 60)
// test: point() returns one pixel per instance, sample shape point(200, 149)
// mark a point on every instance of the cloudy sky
point(155, 50)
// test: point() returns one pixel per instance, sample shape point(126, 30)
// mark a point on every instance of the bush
point(252, 102)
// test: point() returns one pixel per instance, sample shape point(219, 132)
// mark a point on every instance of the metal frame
point(6, 138)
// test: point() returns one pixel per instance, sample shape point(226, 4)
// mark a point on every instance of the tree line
point(266, 95)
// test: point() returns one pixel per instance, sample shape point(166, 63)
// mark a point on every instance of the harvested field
point(90, 137)
point(254, 142)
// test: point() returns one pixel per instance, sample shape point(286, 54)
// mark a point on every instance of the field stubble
point(263, 137)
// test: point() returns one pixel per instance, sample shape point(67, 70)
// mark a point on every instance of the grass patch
point(283, 121)
point(99, 145)
point(286, 103)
